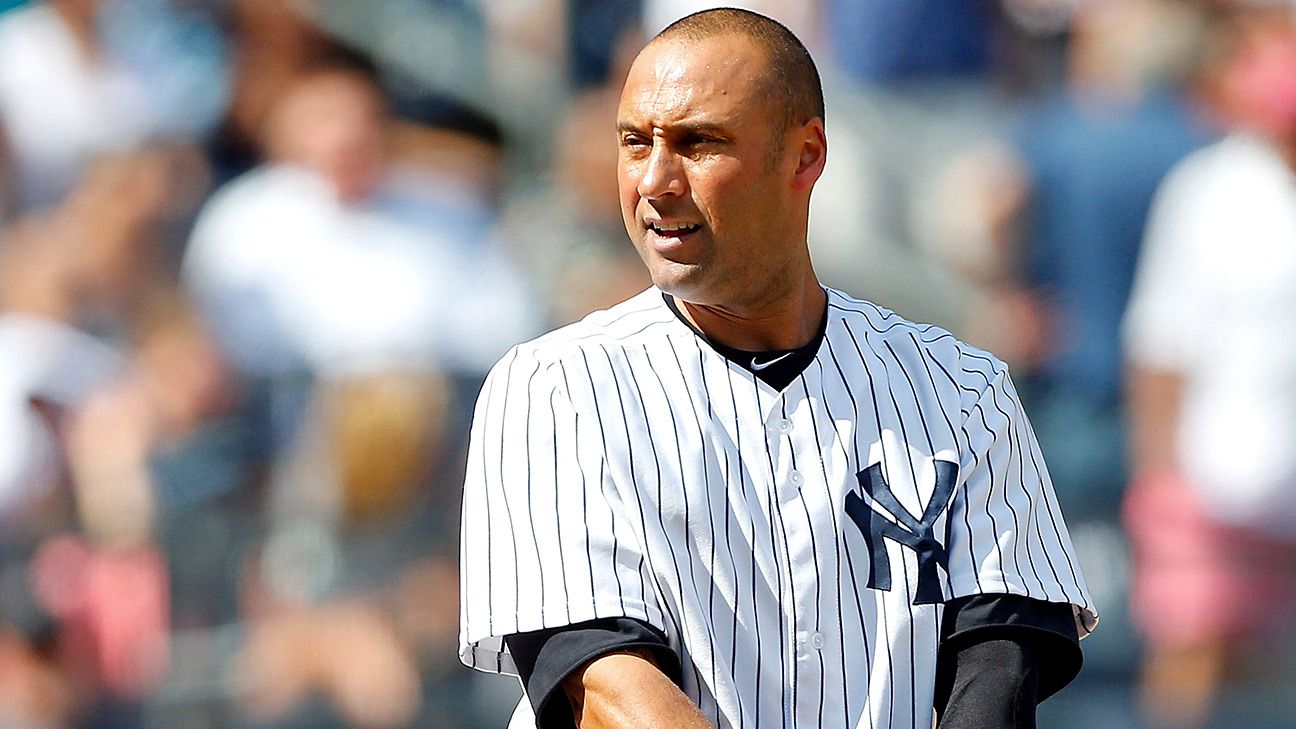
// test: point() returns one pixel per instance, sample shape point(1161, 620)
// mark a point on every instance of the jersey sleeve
point(544, 542)
point(1005, 528)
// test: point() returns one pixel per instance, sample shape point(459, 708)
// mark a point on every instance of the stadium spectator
point(357, 271)
point(1212, 507)
point(1060, 205)
point(330, 259)
point(83, 77)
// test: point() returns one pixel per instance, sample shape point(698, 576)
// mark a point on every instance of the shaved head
point(792, 77)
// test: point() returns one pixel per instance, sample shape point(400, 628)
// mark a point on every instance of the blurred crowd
point(256, 257)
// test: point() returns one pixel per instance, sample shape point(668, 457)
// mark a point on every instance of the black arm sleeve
point(545, 658)
point(1000, 656)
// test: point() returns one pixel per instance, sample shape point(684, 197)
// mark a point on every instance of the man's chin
point(685, 288)
point(672, 276)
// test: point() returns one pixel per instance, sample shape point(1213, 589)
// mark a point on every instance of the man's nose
point(663, 175)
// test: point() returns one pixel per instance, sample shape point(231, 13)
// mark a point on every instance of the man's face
point(332, 123)
point(704, 171)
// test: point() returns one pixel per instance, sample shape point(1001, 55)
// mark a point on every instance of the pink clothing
point(1196, 579)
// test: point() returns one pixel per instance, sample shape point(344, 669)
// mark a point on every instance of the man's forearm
point(628, 691)
point(1153, 397)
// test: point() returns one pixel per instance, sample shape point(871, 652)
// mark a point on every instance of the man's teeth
point(673, 227)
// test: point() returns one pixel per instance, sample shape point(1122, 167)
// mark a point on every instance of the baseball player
point(739, 499)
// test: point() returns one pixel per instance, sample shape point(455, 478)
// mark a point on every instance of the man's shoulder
point(637, 321)
point(266, 186)
point(876, 326)
point(252, 220)
point(880, 332)
point(1229, 167)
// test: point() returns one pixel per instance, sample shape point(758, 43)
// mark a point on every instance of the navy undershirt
point(776, 368)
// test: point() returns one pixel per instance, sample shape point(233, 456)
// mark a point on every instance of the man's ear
point(812, 142)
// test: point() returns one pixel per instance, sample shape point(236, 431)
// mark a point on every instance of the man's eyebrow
point(680, 128)
point(708, 128)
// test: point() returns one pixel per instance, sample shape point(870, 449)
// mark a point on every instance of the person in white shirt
point(1210, 337)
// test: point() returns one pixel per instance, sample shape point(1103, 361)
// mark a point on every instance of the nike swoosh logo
point(758, 366)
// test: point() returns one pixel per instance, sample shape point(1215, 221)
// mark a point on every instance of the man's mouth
point(673, 230)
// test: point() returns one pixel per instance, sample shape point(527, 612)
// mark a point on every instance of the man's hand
point(628, 691)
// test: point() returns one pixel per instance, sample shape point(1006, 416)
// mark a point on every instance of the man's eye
point(699, 142)
point(631, 140)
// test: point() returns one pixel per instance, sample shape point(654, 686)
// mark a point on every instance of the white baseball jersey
point(795, 546)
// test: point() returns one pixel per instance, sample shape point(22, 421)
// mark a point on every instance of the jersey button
point(784, 425)
point(796, 479)
point(817, 640)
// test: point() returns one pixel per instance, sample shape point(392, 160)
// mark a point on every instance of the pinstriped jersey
point(795, 546)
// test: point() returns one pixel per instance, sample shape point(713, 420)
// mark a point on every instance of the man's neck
point(788, 322)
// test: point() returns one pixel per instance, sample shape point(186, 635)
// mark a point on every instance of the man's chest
point(708, 463)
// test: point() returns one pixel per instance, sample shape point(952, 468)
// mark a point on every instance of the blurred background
point(256, 257)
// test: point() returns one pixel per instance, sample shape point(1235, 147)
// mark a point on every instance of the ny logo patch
point(916, 534)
